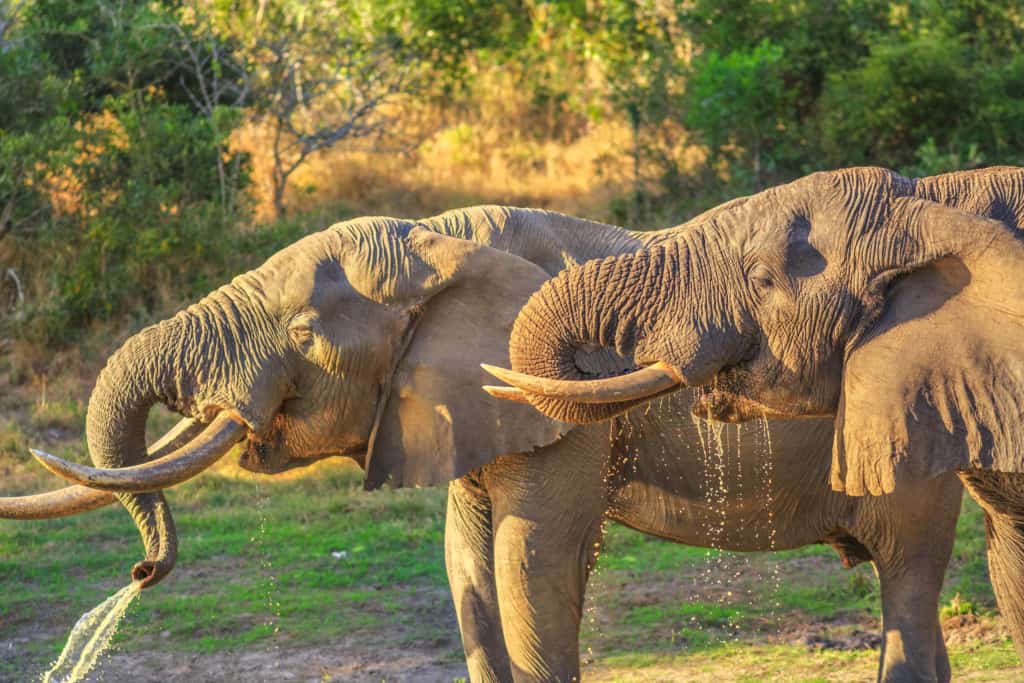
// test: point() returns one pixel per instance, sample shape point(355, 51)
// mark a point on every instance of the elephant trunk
point(566, 328)
point(136, 377)
point(660, 309)
point(191, 363)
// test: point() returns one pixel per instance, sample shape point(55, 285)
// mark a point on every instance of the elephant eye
point(760, 280)
point(301, 333)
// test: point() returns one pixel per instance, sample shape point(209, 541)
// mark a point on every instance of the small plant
point(862, 584)
point(957, 607)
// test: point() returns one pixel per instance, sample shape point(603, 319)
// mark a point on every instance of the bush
point(112, 176)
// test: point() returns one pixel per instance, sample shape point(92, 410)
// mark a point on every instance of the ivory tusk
point(176, 437)
point(507, 393)
point(69, 500)
point(72, 500)
point(641, 383)
point(186, 462)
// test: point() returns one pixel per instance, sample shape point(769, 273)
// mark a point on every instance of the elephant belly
point(756, 486)
point(751, 523)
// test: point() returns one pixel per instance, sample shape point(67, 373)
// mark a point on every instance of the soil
point(339, 662)
point(970, 629)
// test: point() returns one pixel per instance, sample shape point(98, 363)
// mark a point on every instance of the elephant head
point(886, 302)
point(361, 340)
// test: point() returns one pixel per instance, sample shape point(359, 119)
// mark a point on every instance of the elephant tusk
point(176, 437)
point(186, 462)
point(642, 383)
point(72, 500)
point(507, 393)
point(60, 503)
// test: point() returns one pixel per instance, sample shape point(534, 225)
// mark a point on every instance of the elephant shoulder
point(551, 240)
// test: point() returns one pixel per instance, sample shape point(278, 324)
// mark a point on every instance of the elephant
point(892, 306)
point(364, 340)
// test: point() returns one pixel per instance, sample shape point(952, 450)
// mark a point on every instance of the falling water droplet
point(767, 475)
point(91, 637)
point(273, 620)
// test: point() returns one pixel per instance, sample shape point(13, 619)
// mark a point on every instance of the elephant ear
point(437, 424)
point(937, 383)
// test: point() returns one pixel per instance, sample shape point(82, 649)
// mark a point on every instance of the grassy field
point(312, 579)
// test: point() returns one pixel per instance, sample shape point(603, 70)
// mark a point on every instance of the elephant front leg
point(549, 508)
point(918, 529)
point(469, 558)
point(912, 638)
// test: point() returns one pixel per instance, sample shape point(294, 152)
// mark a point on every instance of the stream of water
point(91, 637)
point(272, 622)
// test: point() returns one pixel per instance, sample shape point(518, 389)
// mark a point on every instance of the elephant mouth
point(270, 454)
point(724, 405)
point(262, 456)
point(730, 396)
point(258, 465)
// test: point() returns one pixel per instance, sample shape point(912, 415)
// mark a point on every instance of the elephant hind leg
point(469, 558)
point(1000, 495)
point(1005, 540)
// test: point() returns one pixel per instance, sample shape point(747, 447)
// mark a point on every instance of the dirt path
point(341, 662)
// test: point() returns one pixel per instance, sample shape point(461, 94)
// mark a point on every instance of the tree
point(109, 158)
point(316, 97)
point(317, 73)
point(217, 85)
point(737, 102)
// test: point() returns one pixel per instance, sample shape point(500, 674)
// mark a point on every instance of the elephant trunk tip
point(148, 573)
point(143, 572)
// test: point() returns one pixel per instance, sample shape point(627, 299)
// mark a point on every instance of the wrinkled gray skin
point(365, 339)
point(894, 305)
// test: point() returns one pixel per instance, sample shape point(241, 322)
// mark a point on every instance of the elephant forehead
point(325, 269)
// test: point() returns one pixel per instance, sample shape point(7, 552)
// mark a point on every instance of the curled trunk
point(193, 364)
point(136, 377)
point(587, 323)
point(673, 310)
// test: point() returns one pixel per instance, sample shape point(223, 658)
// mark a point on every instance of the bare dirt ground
point(843, 649)
point(339, 662)
point(358, 662)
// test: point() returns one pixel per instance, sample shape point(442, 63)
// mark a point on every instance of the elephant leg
point(469, 558)
point(1001, 496)
point(1004, 536)
point(910, 626)
point(548, 512)
point(942, 671)
point(911, 551)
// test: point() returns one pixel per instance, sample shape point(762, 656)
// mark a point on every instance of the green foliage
point(914, 96)
point(902, 94)
point(738, 101)
point(107, 166)
point(924, 87)
point(146, 211)
point(117, 186)
point(445, 33)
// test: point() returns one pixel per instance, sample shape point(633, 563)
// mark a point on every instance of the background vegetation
point(146, 147)
point(150, 150)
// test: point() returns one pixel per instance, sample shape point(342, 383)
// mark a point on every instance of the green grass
point(255, 560)
point(256, 567)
